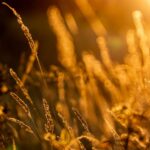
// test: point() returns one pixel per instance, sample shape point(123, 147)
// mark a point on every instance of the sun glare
point(148, 1)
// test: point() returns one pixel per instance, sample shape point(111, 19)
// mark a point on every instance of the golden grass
point(49, 125)
point(21, 85)
point(71, 23)
point(21, 103)
point(102, 103)
point(65, 45)
point(91, 17)
point(24, 126)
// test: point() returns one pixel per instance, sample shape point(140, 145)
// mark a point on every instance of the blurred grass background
point(115, 15)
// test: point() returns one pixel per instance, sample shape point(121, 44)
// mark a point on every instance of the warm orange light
point(147, 3)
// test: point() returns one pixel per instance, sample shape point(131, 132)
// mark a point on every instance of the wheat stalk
point(70, 130)
point(21, 124)
point(22, 104)
point(65, 45)
point(14, 147)
point(49, 126)
point(21, 85)
point(81, 119)
point(91, 17)
point(33, 45)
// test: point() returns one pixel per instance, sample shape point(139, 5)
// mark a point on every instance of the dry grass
point(112, 116)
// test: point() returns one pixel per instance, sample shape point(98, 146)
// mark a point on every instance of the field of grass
point(88, 102)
